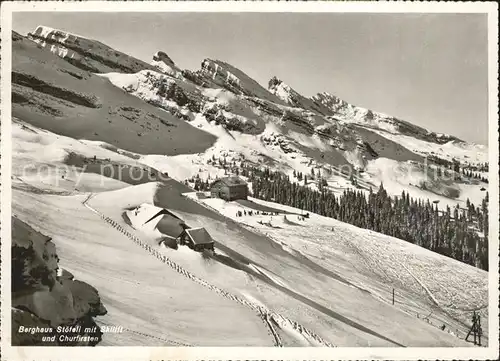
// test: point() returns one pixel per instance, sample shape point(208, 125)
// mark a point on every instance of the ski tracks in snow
point(265, 315)
point(377, 268)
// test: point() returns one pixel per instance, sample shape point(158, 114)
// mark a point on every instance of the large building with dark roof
point(229, 188)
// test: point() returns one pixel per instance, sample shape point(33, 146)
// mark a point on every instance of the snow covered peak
point(330, 101)
point(217, 69)
point(166, 65)
point(161, 56)
point(233, 79)
point(283, 91)
point(84, 53)
point(47, 32)
point(273, 82)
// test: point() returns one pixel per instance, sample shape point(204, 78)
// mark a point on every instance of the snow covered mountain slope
point(421, 182)
point(231, 78)
point(295, 272)
point(372, 261)
point(53, 94)
point(410, 136)
point(144, 296)
point(220, 112)
point(154, 303)
point(45, 294)
point(85, 116)
point(293, 98)
point(86, 54)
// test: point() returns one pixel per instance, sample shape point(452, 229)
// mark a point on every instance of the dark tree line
point(453, 233)
point(480, 167)
point(469, 170)
point(471, 174)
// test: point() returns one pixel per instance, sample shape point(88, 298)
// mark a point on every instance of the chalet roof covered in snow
point(231, 181)
point(163, 212)
point(199, 236)
point(170, 226)
point(167, 223)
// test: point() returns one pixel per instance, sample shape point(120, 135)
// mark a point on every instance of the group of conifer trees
point(471, 174)
point(461, 233)
point(198, 184)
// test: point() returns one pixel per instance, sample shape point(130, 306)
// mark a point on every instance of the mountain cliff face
point(57, 94)
point(85, 53)
point(47, 297)
point(286, 93)
point(221, 74)
point(333, 103)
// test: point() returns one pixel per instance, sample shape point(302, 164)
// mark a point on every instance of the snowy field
point(425, 281)
point(156, 305)
point(292, 287)
point(305, 272)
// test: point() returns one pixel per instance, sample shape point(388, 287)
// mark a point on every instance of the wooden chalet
point(197, 239)
point(229, 188)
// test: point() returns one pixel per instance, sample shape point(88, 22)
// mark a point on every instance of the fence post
point(475, 326)
point(479, 331)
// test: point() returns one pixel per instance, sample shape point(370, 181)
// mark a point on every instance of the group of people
point(251, 213)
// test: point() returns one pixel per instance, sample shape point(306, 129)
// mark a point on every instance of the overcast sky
point(430, 70)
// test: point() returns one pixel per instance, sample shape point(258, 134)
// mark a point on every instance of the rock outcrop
point(220, 92)
point(277, 140)
point(216, 73)
point(163, 91)
point(335, 104)
point(86, 54)
point(220, 116)
point(166, 65)
point(49, 307)
point(349, 113)
point(291, 97)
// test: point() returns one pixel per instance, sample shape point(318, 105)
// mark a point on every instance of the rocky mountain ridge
point(221, 104)
point(86, 54)
point(340, 110)
point(57, 94)
point(166, 65)
point(97, 57)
